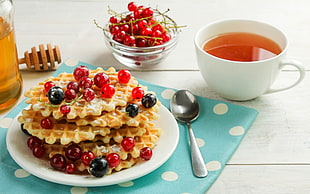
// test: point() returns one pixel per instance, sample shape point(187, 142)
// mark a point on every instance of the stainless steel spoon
point(185, 108)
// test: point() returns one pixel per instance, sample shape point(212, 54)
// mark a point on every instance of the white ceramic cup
point(242, 81)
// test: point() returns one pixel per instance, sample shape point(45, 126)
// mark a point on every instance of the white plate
point(17, 146)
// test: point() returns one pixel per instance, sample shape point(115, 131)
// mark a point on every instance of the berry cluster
point(140, 27)
point(98, 166)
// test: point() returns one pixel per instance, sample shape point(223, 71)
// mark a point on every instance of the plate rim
point(165, 116)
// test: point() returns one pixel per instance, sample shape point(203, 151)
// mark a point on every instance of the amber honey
point(242, 46)
point(10, 79)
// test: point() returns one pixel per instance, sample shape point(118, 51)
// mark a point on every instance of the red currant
point(146, 153)
point(58, 162)
point(89, 94)
point(124, 76)
point(70, 94)
point(166, 37)
point(81, 71)
point(38, 151)
point(107, 91)
point(128, 143)
point(147, 12)
point(137, 93)
point(73, 152)
point(140, 42)
point(146, 32)
point(87, 157)
point(48, 85)
point(130, 41)
point(125, 28)
point(113, 159)
point(100, 79)
point(74, 86)
point(70, 168)
point(65, 109)
point(132, 6)
point(33, 141)
point(46, 123)
point(113, 20)
point(119, 36)
point(85, 82)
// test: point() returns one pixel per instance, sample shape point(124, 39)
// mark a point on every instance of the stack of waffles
point(98, 125)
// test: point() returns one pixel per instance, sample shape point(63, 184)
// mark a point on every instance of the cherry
point(65, 109)
point(100, 79)
point(89, 94)
point(79, 72)
point(107, 91)
point(85, 82)
point(73, 152)
point(73, 85)
point(58, 162)
point(46, 123)
point(70, 94)
point(87, 157)
point(70, 168)
point(137, 93)
point(146, 153)
point(33, 141)
point(39, 151)
point(113, 159)
point(128, 143)
point(48, 85)
point(123, 76)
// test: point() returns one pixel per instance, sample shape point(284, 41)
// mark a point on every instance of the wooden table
point(274, 157)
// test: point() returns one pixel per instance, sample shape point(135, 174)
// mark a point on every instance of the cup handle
point(299, 67)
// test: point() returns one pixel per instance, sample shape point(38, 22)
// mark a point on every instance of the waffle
point(148, 138)
point(37, 96)
point(99, 125)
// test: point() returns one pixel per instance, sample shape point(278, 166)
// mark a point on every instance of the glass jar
point(10, 78)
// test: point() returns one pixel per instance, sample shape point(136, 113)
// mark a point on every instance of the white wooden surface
point(274, 157)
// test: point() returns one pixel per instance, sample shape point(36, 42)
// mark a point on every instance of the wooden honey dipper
point(42, 60)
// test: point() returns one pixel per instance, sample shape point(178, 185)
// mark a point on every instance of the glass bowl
point(140, 57)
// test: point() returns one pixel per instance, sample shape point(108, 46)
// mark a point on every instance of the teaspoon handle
point(198, 164)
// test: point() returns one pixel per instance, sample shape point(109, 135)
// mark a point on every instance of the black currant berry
point(56, 95)
point(24, 130)
point(132, 110)
point(98, 167)
point(149, 100)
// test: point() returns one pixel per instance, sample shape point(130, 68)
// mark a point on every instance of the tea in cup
point(241, 59)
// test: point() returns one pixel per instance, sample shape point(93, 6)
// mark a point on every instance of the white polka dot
point(71, 62)
point(79, 190)
point(238, 130)
point(126, 184)
point(21, 173)
point(200, 142)
point(220, 109)
point(5, 123)
point(167, 94)
point(169, 176)
point(213, 165)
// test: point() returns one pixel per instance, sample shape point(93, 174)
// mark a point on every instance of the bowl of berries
point(140, 37)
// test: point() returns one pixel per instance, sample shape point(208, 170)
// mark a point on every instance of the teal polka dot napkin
point(219, 130)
